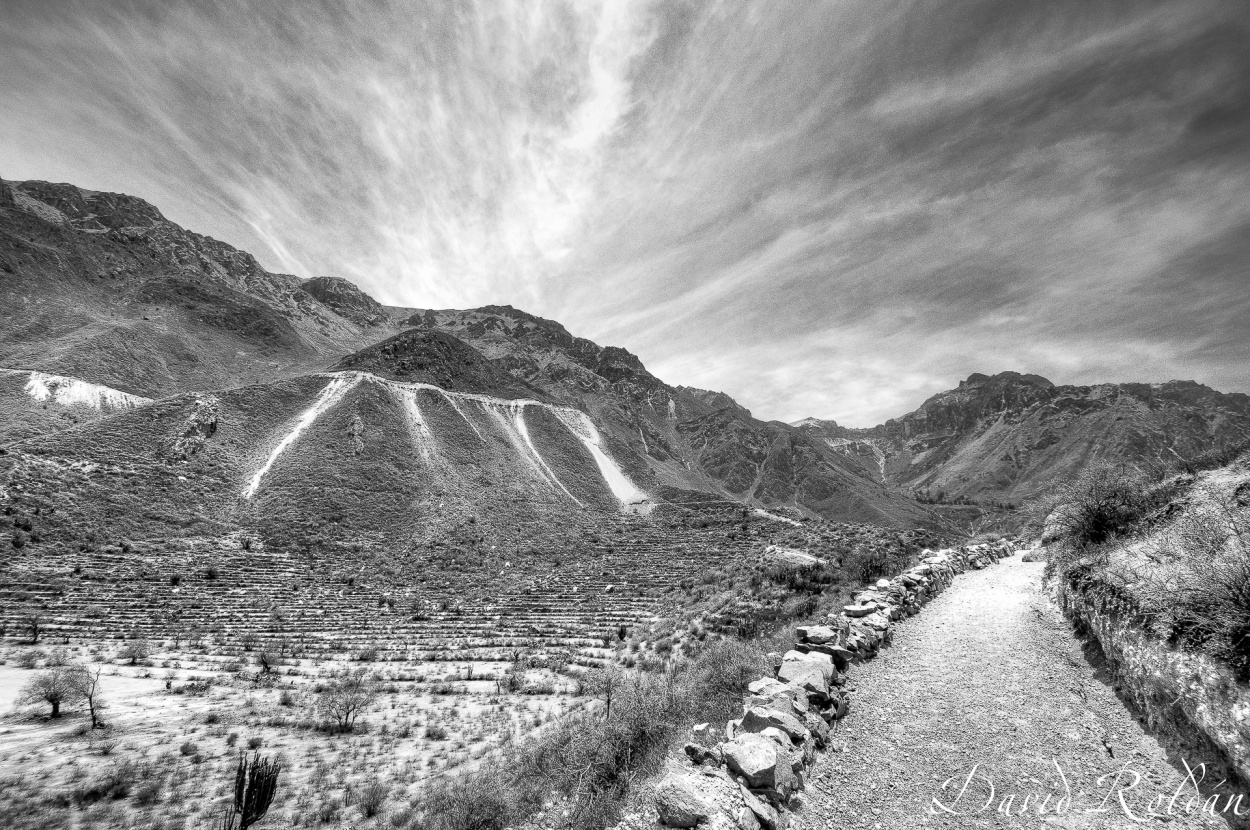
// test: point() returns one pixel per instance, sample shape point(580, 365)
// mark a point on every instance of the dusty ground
point(989, 681)
point(187, 740)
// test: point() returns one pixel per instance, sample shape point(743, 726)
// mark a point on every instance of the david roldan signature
point(1120, 791)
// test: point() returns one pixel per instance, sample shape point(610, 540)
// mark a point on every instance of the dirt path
point(989, 676)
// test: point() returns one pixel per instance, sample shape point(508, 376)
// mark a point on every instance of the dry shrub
point(371, 798)
point(593, 759)
point(868, 562)
point(1208, 594)
point(1104, 502)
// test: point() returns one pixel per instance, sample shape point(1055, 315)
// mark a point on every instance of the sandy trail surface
point(989, 682)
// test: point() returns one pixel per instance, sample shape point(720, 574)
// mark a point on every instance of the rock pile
point(745, 777)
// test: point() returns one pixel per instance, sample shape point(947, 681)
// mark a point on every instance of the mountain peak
point(85, 209)
point(1006, 378)
point(814, 422)
point(439, 359)
point(345, 298)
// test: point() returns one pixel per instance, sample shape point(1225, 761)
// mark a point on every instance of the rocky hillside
point(105, 304)
point(102, 287)
point(1008, 436)
point(678, 440)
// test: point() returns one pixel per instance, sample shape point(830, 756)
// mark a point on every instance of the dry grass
point(1177, 550)
point(167, 755)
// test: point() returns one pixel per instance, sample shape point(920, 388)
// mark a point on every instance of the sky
point(823, 208)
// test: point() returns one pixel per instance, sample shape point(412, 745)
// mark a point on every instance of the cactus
point(254, 786)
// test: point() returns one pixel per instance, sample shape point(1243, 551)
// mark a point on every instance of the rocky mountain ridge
point(102, 289)
point(1009, 435)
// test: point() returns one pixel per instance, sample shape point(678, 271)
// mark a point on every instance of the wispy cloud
point(822, 208)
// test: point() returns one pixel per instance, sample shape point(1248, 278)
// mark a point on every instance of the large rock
point(765, 814)
point(817, 726)
point(859, 609)
point(807, 676)
point(682, 801)
point(818, 634)
point(823, 661)
point(794, 703)
point(766, 687)
point(758, 718)
point(840, 655)
point(760, 761)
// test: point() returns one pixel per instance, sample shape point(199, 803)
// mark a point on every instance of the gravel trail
point(989, 675)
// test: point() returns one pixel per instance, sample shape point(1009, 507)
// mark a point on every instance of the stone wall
point(744, 775)
point(1178, 691)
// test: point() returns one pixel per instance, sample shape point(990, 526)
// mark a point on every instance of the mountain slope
point(103, 292)
point(677, 439)
point(1008, 436)
point(343, 455)
point(101, 287)
point(33, 403)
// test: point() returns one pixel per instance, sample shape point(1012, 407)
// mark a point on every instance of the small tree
point(86, 687)
point(604, 683)
point(135, 650)
point(53, 686)
point(347, 698)
point(33, 620)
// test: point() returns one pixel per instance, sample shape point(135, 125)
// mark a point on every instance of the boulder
point(876, 620)
point(744, 819)
point(824, 661)
point(760, 761)
point(807, 676)
point(817, 726)
point(758, 718)
point(682, 802)
point(840, 655)
point(859, 610)
point(766, 687)
point(839, 707)
point(818, 634)
point(794, 702)
point(765, 814)
point(778, 737)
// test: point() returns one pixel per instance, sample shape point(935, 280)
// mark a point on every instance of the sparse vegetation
point(344, 700)
point(55, 686)
point(1186, 573)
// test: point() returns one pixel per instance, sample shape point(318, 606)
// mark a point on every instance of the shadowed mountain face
point(1008, 436)
point(100, 286)
point(136, 345)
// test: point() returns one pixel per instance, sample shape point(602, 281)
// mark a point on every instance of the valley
point(231, 494)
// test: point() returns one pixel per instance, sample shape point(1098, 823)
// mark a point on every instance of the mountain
point(677, 441)
point(102, 287)
point(304, 407)
point(1006, 437)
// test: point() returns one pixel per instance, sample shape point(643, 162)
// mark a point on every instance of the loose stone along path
point(984, 699)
